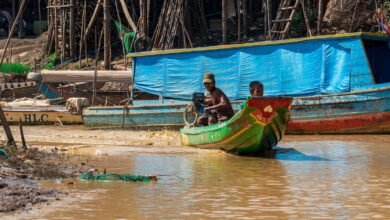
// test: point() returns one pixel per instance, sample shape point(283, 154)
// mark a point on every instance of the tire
point(190, 110)
point(7, 93)
point(143, 44)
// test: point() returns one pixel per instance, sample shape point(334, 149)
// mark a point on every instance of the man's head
point(256, 88)
point(209, 81)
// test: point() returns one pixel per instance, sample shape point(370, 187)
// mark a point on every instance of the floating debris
point(117, 177)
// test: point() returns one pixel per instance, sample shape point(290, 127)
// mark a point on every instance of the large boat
point(259, 126)
point(339, 83)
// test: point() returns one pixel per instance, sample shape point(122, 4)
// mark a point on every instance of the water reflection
point(293, 154)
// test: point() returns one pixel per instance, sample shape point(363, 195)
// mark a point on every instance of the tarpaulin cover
point(303, 68)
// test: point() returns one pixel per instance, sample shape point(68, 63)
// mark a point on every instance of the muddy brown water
point(319, 177)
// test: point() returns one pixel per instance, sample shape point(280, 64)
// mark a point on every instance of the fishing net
point(128, 36)
point(15, 68)
point(117, 177)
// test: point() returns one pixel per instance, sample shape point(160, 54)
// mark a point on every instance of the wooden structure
point(286, 12)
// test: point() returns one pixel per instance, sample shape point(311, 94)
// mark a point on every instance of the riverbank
point(22, 170)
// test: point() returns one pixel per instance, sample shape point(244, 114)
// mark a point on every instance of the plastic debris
point(3, 153)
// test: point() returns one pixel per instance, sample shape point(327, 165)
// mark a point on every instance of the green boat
point(258, 127)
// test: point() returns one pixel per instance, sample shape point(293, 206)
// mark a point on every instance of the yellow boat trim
point(262, 43)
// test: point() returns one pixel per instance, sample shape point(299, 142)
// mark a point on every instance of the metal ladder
point(282, 23)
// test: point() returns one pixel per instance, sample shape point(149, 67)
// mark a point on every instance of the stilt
point(224, 21)
point(4, 122)
point(72, 43)
point(107, 34)
point(24, 146)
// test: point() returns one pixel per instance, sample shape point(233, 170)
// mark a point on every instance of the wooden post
point(21, 28)
point(55, 26)
point(269, 17)
point(72, 30)
point(239, 20)
point(13, 13)
point(11, 32)
point(107, 34)
point(95, 73)
point(24, 146)
point(319, 22)
point(245, 17)
point(224, 21)
point(40, 16)
point(305, 17)
point(4, 122)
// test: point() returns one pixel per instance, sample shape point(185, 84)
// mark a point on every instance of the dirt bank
point(20, 172)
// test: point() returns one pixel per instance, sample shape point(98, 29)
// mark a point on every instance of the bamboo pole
point(245, 17)
point(269, 17)
point(127, 15)
point(95, 75)
point(107, 34)
point(319, 22)
point(40, 16)
point(20, 12)
point(305, 17)
point(224, 21)
point(93, 18)
point(238, 21)
point(72, 43)
point(21, 28)
point(55, 26)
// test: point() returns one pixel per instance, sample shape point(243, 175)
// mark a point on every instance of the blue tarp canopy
point(301, 68)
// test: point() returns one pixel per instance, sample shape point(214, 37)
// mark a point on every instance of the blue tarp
point(304, 68)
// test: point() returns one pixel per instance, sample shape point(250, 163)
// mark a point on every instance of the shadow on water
point(294, 155)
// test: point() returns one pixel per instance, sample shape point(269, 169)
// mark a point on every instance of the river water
point(318, 177)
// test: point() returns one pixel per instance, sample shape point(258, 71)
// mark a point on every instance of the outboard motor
point(195, 108)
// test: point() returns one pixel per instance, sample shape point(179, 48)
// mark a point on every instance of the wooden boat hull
point(19, 90)
point(360, 112)
point(40, 115)
point(259, 126)
point(357, 112)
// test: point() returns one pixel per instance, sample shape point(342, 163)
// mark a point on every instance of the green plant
point(53, 58)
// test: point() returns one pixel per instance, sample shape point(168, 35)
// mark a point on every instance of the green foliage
point(15, 68)
point(53, 58)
